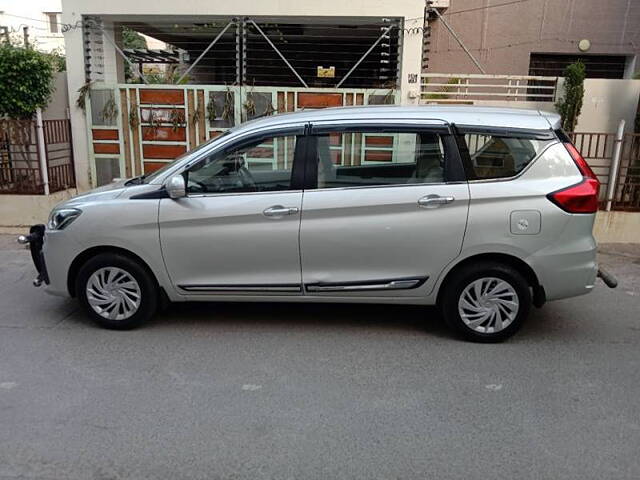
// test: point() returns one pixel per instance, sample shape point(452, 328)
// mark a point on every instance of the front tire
point(116, 291)
point(486, 301)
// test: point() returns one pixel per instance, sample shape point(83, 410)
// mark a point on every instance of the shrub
point(26, 81)
point(570, 106)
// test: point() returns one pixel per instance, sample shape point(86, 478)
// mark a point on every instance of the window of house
point(354, 159)
point(501, 156)
point(54, 20)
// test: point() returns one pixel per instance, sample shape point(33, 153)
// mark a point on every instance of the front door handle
point(434, 201)
point(280, 211)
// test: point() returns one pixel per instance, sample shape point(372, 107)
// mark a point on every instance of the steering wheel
point(246, 177)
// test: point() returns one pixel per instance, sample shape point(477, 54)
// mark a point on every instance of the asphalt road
point(260, 391)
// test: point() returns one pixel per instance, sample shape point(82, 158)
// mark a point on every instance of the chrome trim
point(404, 284)
point(270, 192)
point(388, 185)
point(240, 288)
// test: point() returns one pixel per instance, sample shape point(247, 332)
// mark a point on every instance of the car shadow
point(279, 315)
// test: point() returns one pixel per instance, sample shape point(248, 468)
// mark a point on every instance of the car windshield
point(149, 178)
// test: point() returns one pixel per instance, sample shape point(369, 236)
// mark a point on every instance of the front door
point(385, 212)
point(236, 231)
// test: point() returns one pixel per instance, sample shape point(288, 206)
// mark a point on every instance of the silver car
point(480, 211)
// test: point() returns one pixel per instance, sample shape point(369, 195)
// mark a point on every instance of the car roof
point(454, 114)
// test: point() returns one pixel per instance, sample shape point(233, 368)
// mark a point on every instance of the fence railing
point(22, 161)
point(465, 88)
point(598, 149)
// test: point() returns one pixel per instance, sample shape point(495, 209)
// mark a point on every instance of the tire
point(503, 291)
point(116, 291)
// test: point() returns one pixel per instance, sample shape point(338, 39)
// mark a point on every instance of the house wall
point(502, 38)
point(16, 14)
point(606, 102)
point(25, 210)
point(58, 107)
point(73, 10)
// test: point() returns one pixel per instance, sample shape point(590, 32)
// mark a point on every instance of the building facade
point(230, 62)
point(536, 37)
point(42, 19)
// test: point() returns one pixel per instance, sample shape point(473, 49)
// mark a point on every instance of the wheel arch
point(513, 261)
point(85, 255)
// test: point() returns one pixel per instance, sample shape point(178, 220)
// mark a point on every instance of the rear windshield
point(501, 156)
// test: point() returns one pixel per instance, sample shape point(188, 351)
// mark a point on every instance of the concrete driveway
point(260, 391)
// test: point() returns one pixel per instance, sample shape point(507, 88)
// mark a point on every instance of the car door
point(385, 208)
point(236, 231)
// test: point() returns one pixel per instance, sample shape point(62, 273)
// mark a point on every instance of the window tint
point(262, 166)
point(353, 159)
point(501, 156)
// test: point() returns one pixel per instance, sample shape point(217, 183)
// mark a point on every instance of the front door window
point(263, 165)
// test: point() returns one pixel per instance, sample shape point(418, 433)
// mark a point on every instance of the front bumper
point(35, 239)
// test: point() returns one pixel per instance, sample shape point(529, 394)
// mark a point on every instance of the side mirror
point(176, 187)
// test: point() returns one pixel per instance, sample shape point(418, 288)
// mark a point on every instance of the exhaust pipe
point(608, 279)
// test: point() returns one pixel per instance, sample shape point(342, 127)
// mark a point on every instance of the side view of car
point(480, 211)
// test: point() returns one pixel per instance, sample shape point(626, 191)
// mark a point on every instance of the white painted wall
point(606, 102)
point(16, 14)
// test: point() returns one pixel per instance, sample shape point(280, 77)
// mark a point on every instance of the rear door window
point(501, 156)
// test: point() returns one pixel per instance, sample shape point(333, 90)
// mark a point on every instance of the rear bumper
point(565, 273)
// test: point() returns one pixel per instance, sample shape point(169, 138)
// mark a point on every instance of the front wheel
point(486, 302)
point(116, 291)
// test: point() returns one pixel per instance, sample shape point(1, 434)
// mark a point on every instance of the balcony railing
point(466, 88)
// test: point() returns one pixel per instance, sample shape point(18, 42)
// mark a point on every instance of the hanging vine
point(211, 109)
point(134, 120)
point(109, 111)
point(176, 118)
point(227, 108)
point(84, 92)
point(154, 122)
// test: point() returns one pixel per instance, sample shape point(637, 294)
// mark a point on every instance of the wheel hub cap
point(113, 293)
point(488, 305)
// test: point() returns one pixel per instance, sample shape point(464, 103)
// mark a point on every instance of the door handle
point(434, 201)
point(280, 211)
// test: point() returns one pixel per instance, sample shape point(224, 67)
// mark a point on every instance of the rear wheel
point(116, 291)
point(486, 302)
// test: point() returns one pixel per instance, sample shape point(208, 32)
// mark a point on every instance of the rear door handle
point(434, 201)
point(280, 211)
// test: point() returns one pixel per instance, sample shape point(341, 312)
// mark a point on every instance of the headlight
point(62, 218)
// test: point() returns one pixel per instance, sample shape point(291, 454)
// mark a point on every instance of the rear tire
point(486, 301)
point(116, 291)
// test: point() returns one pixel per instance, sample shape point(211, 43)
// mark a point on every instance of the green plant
point(211, 109)
point(134, 121)
point(109, 111)
point(26, 81)
point(58, 60)
point(454, 82)
point(83, 92)
point(176, 118)
point(132, 39)
point(570, 106)
point(170, 76)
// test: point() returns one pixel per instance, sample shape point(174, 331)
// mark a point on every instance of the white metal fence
point(465, 88)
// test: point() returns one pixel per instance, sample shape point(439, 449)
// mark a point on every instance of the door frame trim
point(369, 285)
point(242, 289)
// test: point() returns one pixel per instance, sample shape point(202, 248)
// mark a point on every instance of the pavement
point(288, 391)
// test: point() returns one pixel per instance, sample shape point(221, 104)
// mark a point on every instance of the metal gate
point(136, 129)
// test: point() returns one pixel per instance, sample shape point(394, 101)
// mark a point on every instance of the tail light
point(582, 197)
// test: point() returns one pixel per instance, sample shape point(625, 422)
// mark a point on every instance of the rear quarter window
point(501, 156)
